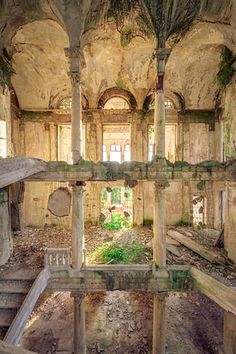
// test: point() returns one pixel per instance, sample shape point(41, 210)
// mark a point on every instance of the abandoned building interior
point(118, 176)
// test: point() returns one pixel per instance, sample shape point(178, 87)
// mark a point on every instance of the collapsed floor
point(121, 322)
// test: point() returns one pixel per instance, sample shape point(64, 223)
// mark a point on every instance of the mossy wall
point(229, 117)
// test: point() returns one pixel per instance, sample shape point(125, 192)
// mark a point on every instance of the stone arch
point(117, 92)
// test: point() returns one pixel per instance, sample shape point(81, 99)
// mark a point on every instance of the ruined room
point(118, 176)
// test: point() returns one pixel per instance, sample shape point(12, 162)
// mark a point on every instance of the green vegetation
point(183, 223)
point(201, 185)
point(116, 196)
point(226, 70)
point(118, 222)
point(115, 253)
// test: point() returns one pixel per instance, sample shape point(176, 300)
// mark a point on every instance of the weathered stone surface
point(59, 202)
point(5, 228)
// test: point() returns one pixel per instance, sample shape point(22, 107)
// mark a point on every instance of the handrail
point(17, 327)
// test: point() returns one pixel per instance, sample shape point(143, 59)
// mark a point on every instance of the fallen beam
point(17, 168)
point(223, 295)
point(161, 169)
point(201, 250)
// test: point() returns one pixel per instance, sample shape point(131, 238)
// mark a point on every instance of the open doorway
point(117, 207)
point(116, 143)
point(199, 211)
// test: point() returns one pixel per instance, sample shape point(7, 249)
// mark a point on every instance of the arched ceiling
point(40, 65)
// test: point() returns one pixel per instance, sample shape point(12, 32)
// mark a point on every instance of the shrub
point(115, 253)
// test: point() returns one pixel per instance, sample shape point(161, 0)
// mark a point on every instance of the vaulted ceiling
point(36, 42)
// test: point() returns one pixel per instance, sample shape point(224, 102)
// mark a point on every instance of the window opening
point(3, 139)
point(199, 210)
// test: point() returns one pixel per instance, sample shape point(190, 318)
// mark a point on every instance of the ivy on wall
point(226, 70)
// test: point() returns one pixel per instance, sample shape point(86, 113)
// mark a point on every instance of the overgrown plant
point(125, 253)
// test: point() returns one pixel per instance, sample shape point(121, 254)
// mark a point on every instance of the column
point(159, 328)
point(159, 239)
point(75, 56)
point(229, 333)
point(159, 243)
point(79, 323)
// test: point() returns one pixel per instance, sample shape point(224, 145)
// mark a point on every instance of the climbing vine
point(5, 71)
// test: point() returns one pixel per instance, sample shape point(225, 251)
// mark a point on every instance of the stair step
point(15, 286)
point(7, 316)
point(12, 301)
point(19, 274)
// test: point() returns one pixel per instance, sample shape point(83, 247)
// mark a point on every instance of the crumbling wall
point(39, 136)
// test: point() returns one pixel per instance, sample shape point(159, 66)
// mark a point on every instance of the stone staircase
point(14, 287)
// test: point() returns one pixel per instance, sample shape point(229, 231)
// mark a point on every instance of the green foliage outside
point(118, 222)
point(116, 196)
point(103, 198)
point(114, 253)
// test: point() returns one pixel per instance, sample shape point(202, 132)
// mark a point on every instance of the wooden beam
point(201, 250)
point(223, 295)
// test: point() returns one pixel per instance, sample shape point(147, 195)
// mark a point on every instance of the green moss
point(120, 83)
point(126, 36)
point(201, 185)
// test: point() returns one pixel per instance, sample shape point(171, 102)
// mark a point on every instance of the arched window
point(116, 103)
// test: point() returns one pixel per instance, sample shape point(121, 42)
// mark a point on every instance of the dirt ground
point(119, 322)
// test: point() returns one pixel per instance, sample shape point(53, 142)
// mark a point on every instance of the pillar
point(230, 221)
point(75, 55)
point(159, 223)
point(77, 226)
point(79, 323)
point(229, 333)
point(159, 328)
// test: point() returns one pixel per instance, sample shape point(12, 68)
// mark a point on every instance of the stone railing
point(57, 258)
